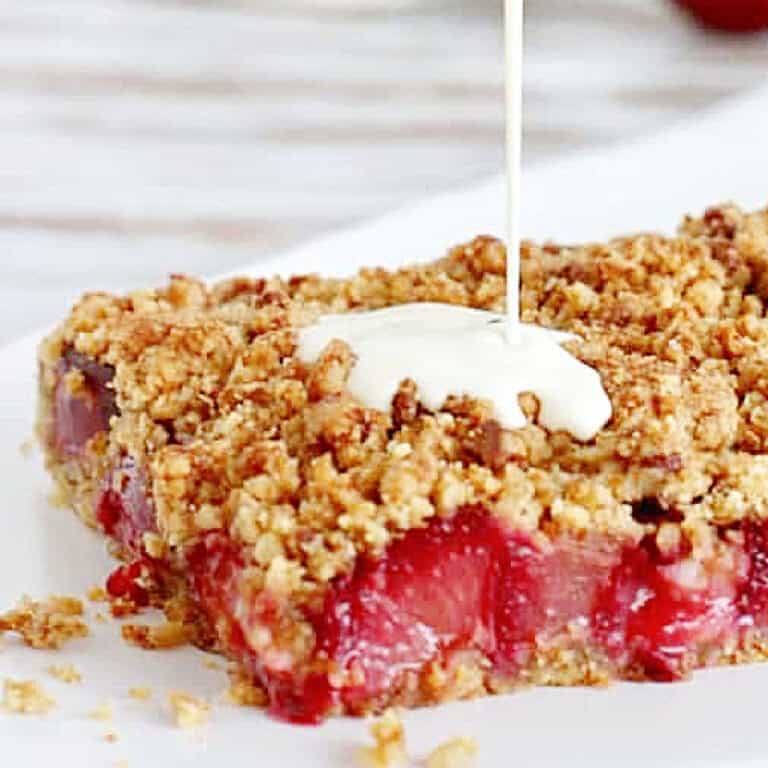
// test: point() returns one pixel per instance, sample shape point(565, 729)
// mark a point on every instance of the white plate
point(716, 720)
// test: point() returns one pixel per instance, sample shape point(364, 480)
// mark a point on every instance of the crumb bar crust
point(266, 498)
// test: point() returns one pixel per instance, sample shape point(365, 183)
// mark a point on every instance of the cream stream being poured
point(450, 350)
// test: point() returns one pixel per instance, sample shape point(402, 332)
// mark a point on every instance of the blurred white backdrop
point(142, 138)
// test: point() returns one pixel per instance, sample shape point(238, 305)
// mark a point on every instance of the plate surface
point(714, 721)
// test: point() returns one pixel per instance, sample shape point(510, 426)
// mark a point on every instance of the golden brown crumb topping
point(170, 634)
point(389, 742)
point(243, 691)
point(188, 711)
point(237, 435)
point(48, 623)
point(97, 594)
point(66, 673)
point(25, 697)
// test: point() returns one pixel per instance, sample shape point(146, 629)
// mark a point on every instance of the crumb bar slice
point(349, 559)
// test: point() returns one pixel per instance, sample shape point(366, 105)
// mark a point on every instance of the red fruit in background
point(729, 15)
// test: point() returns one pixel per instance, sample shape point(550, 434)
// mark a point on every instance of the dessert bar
point(348, 558)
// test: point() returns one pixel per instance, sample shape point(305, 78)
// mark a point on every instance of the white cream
point(449, 350)
point(513, 28)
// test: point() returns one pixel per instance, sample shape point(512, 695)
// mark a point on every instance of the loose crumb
point(456, 753)
point(120, 607)
point(188, 711)
point(25, 697)
point(48, 623)
point(100, 617)
point(389, 737)
point(66, 673)
point(111, 737)
point(243, 692)
point(171, 634)
point(27, 448)
point(154, 545)
point(97, 594)
point(140, 693)
point(102, 712)
point(212, 664)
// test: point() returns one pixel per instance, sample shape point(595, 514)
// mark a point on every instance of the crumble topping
point(97, 594)
point(389, 737)
point(47, 624)
point(188, 711)
point(456, 753)
point(240, 435)
point(170, 634)
point(25, 697)
point(243, 691)
point(66, 673)
point(140, 693)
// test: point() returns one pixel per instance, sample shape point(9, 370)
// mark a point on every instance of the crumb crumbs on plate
point(243, 692)
point(103, 712)
point(97, 594)
point(389, 748)
point(111, 737)
point(188, 711)
point(171, 634)
point(25, 697)
point(120, 607)
point(140, 693)
point(456, 753)
point(27, 448)
point(212, 664)
point(66, 673)
point(46, 624)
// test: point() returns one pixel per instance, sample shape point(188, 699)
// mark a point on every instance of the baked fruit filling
point(348, 559)
point(83, 402)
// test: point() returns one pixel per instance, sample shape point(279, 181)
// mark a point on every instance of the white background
point(139, 138)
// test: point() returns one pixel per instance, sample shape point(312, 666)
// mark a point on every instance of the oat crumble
point(164, 636)
point(243, 692)
point(188, 711)
point(97, 594)
point(388, 734)
point(25, 697)
point(66, 673)
point(46, 624)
